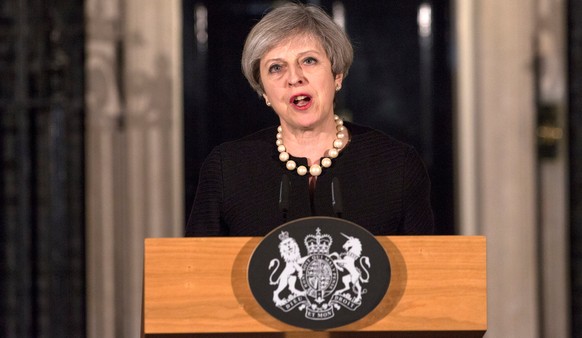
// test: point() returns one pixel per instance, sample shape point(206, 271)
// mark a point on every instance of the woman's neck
point(311, 144)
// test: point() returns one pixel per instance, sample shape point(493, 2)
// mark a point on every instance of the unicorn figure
point(347, 260)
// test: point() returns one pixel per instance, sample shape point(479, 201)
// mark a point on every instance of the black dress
point(384, 186)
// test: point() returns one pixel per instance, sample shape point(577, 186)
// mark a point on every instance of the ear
point(339, 79)
point(267, 102)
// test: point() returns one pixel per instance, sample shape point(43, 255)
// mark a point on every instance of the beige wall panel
point(497, 156)
point(134, 164)
point(552, 82)
point(507, 164)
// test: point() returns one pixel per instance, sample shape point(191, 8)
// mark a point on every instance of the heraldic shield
point(319, 272)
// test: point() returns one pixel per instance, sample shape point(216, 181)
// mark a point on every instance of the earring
point(268, 103)
point(338, 87)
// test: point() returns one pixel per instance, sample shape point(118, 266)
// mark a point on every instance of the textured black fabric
point(384, 185)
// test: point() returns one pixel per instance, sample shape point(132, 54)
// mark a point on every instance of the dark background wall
point(42, 264)
point(575, 158)
point(399, 83)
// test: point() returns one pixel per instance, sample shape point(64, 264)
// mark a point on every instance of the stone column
point(133, 149)
point(497, 154)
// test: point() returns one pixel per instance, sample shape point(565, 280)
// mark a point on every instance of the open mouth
point(301, 100)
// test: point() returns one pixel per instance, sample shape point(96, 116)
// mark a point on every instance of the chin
point(308, 119)
point(307, 123)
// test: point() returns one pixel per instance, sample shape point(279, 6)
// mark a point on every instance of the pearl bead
point(302, 170)
point(333, 153)
point(291, 165)
point(315, 170)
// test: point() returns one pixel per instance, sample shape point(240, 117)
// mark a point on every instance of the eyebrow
point(300, 54)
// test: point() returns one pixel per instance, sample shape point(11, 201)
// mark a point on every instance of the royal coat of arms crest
point(319, 272)
point(321, 281)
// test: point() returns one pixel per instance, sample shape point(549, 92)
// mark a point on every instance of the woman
point(296, 59)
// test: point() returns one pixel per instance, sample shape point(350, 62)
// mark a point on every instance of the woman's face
point(298, 82)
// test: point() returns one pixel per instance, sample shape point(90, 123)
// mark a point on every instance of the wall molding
point(134, 151)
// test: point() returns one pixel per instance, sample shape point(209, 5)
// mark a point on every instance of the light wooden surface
point(199, 285)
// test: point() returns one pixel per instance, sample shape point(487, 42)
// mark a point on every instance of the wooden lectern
point(198, 286)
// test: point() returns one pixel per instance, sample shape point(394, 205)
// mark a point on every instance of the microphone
point(284, 196)
point(336, 198)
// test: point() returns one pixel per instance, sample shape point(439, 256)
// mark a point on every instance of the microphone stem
point(336, 197)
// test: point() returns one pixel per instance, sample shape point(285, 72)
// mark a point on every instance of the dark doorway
point(575, 158)
point(42, 220)
point(400, 81)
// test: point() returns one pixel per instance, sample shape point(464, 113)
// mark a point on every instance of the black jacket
point(384, 186)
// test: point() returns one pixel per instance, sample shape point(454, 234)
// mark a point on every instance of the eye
point(275, 68)
point(310, 60)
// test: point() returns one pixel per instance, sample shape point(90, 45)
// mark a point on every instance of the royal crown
point(318, 244)
point(283, 235)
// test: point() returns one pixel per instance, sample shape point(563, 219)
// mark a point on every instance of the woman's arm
point(418, 217)
point(206, 214)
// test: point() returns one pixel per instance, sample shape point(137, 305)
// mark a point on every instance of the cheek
point(328, 93)
point(271, 89)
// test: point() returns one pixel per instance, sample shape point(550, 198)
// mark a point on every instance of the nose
point(296, 76)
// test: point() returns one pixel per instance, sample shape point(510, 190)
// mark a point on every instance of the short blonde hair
point(289, 20)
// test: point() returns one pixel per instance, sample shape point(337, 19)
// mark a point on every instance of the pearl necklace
point(315, 169)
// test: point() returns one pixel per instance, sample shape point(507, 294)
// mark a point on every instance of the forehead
point(294, 44)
